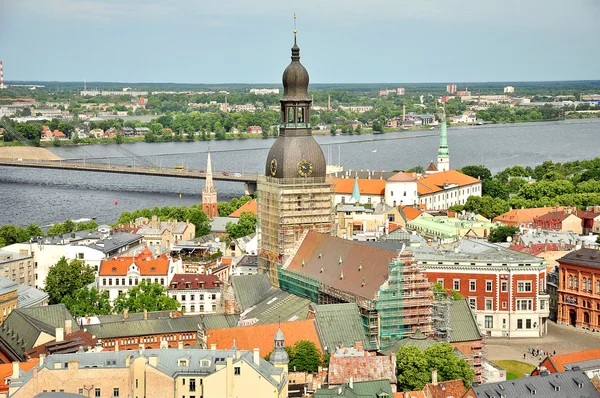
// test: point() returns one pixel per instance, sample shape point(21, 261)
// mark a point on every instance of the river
point(46, 196)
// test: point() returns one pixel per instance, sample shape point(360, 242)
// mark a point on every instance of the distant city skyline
point(341, 41)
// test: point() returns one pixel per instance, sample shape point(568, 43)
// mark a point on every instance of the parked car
point(179, 168)
point(200, 171)
point(225, 173)
point(237, 174)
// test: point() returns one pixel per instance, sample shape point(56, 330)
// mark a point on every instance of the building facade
point(18, 267)
point(8, 298)
point(579, 289)
point(209, 193)
point(293, 195)
point(197, 293)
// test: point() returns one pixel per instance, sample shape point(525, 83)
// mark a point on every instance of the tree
point(454, 295)
point(306, 357)
point(246, 225)
point(56, 229)
point(10, 234)
point(34, 230)
point(119, 138)
point(494, 188)
point(477, 172)
point(87, 302)
point(377, 125)
point(598, 240)
point(147, 295)
point(412, 369)
point(65, 278)
point(500, 233)
point(441, 356)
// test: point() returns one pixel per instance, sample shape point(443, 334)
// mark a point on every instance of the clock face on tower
point(305, 168)
point(273, 167)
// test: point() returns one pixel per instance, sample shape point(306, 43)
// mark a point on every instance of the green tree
point(306, 357)
point(494, 188)
point(500, 233)
point(57, 229)
point(454, 295)
point(10, 234)
point(146, 296)
point(69, 225)
point(477, 172)
point(119, 138)
point(441, 356)
point(33, 231)
point(246, 225)
point(200, 220)
point(412, 370)
point(64, 278)
point(87, 302)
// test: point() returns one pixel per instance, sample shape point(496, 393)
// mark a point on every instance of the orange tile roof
point(410, 212)
point(361, 369)
point(261, 336)
point(444, 389)
point(559, 361)
point(6, 370)
point(411, 394)
point(431, 183)
point(518, 216)
point(366, 187)
point(250, 206)
point(147, 264)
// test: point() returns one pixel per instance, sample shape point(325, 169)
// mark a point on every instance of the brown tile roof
point(555, 215)
point(360, 263)
point(70, 344)
point(518, 216)
point(365, 186)
point(261, 336)
point(147, 264)
point(6, 370)
point(445, 389)
point(411, 394)
point(431, 183)
point(431, 167)
point(587, 214)
point(402, 177)
point(559, 361)
point(250, 206)
point(361, 369)
point(195, 281)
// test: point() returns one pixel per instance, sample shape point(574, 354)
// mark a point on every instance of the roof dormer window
point(153, 269)
point(114, 269)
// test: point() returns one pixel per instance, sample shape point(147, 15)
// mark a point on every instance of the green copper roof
point(443, 149)
point(355, 192)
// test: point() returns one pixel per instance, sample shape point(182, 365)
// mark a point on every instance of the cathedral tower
point(210, 205)
point(293, 195)
point(443, 160)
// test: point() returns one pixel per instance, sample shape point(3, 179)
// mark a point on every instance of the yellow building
point(178, 373)
point(8, 297)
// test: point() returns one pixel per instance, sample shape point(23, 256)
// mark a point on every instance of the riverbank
point(26, 153)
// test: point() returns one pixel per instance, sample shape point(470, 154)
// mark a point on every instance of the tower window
point(291, 115)
point(300, 115)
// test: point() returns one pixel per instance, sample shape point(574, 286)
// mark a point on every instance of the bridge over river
point(249, 180)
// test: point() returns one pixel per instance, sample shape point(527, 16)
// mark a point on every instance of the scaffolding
point(287, 207)
point(405, 302)
point(441, 316)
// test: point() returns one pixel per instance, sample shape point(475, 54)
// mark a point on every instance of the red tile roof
point(557, 362)
point(360, 263)
point(6, 370)
point(411, 213)
point(361, 369)
point(518, 216)
point(147, 264)
point(261, 336)
point(431, 183)
point(195, 281)
point(365, 186)
point(250, 206)
point(555, 215)
point(402, 177)
point(445, 389)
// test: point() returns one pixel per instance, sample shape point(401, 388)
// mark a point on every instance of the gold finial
point(295, 30)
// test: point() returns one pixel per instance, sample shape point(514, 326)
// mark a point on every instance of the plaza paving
point(560, 338)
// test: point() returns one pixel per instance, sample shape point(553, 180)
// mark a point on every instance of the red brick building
point(579, 289)
point(563, 221)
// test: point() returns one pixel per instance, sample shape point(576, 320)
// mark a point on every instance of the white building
point(197, 293)
point(401, 189)
point(439, 191)
point(264, 91)
point(509, 89)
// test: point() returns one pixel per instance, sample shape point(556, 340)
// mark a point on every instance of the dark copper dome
point(295, 78)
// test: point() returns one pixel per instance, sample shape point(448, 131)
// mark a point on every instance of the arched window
point(300, 115)
point(571, 281)
point(598, 286)
point(576, 280)
point(291, 118)
point(584, 283)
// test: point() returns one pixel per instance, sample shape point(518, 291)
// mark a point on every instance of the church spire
point(209, 193)
point(443, 152)
point(355, 192)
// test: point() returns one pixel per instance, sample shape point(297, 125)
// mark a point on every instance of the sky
point(341, 41)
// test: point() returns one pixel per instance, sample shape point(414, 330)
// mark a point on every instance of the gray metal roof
point(160, 326)
point(7, 257)
point(417, 339)
point(7, 286)
point(340, 324)
point(463, 326)
point(249, 290)
point(134, 316)
point(278, 306)
point(218, 224)
point(116, 241)
point(572, 384)
point(29, 296)
point(58, 395)
point(587, 257)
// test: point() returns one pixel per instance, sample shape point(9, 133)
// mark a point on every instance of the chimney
point(145, 315)
point(180, 345)
point(125, 313)
point(60, 334)
point(116, 345)
point(153, 360)
point(68, 327)
point(213, 347)
point(358, 346)
point(351, 383)
point(16, 370)
point(141, 348)
point(256, 357)
point(127, 360)
point(434, 377)
point(42, 357)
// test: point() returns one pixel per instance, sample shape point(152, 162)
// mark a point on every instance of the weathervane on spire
point(295, 30)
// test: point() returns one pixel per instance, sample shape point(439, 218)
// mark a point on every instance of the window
point(192, 385)
point(456, 284)
point(103, 281)
point(488, 286)
point(183, 297)
point(192, 297)
point(472, 285)
point(441, 281)
point(115, 392)
point(183, 381)
point(117, 281)
point(523, 286)
point(519, 324)
point(473, 303)
point(542, 304)
point(504, 304)
point(97, 393)
point(182, 362)
point(136, 383)
point(489, 321)
point(192, 308)
point(81, 391)
point(488, 304)
point(524, 305)
point(527, 323)
point(571, 281)
point(504, 286)
point(237, 371)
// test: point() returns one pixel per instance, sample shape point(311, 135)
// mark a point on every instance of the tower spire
point(209, 193)
point(443, 152)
